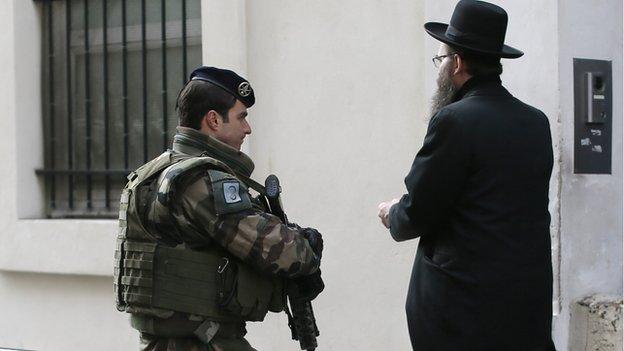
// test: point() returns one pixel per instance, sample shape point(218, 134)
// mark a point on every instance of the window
point(112, 72)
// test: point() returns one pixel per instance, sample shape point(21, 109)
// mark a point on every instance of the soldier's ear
point(211, 121)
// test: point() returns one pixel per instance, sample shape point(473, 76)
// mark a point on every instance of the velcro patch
point(230, 195)
point(231, 192)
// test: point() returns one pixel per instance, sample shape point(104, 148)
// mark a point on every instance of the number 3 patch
point(230, 192)
point(230, 195)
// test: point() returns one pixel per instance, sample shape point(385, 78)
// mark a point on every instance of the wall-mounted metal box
point(593, 116)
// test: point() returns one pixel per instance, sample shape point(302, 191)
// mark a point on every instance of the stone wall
point(596, 324)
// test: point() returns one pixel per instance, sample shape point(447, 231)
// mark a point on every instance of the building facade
point(342, 98)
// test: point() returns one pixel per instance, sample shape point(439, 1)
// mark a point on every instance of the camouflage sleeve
point(203, 213)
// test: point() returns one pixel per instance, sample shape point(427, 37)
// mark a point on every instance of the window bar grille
point(184, 68)
point(144, 70)
point(163, 29)
point(106, 111)
point(52, 104)
point(70, 141)
point(87, 101)
point(80, 49)
point(124, 89)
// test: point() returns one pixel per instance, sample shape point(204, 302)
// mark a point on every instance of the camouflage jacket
point(256, 237)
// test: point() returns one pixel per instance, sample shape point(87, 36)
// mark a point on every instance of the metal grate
point(111, 73)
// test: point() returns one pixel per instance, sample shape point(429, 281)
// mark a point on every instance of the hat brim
point(438, 31)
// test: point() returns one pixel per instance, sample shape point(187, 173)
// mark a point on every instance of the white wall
point(339, 118)
point(61, 312)
point(591, 205)
point(44, 311)
point(23, 234)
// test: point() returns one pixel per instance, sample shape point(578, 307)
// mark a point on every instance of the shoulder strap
point(171, 173)
point(149, 169)
point(197, 161)
point(252, 184)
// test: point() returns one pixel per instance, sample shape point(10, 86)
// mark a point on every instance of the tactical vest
point(157, 279)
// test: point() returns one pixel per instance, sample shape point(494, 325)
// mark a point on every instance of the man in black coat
point(477, 196)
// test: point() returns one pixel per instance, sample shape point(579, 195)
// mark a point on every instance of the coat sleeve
point(435, 179)
point(256, 237)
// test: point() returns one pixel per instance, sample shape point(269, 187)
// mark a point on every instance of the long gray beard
point(445, 93)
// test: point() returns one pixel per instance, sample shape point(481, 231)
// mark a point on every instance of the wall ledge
point(59, 246)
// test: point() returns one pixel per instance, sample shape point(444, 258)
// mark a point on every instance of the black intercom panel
point(593, 116)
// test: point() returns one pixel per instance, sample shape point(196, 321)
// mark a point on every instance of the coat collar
point(489, 85)
point(192, 142)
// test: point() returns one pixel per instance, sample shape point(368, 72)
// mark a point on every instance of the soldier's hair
point(479, 65)
point(197, 98)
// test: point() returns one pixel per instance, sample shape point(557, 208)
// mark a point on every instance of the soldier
point(197, 256)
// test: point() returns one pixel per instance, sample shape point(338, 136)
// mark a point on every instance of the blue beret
point(227, 80)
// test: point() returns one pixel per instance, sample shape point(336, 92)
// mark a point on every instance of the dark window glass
point(112, 72)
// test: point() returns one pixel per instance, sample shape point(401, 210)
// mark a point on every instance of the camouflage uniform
point(194, 217)
point(229, 338)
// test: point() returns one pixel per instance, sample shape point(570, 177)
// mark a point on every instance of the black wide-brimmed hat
point(476, 26)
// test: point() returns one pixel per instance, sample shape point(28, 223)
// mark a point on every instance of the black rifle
point(302, 322)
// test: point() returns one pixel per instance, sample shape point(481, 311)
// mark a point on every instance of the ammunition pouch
point(212, 284)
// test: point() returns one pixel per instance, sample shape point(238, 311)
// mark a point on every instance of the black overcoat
point(477, 196)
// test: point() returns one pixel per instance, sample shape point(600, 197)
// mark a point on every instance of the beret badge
point(244, 89)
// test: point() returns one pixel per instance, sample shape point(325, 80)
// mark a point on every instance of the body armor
point(158, 277)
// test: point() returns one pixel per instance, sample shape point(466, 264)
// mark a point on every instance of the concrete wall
point(339, 117)
point(46, 299)
point(61, 312)
point(342, 93)
point(591, 205)
point(596, 324)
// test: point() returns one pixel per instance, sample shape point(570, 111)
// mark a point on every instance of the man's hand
point(384, 211)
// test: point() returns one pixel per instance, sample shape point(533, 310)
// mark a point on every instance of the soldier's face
point(234, 131)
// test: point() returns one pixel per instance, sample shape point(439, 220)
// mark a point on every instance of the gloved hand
point(315, 239)
point(309, 287)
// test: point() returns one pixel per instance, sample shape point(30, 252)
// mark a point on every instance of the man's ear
point(211, 121)
point(460, 64)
